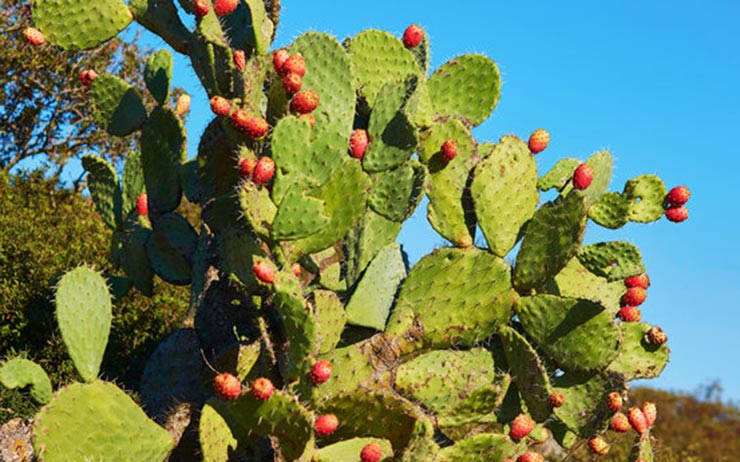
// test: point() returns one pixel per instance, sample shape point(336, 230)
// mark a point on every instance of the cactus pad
point(133, 181)
point(638, 359)
point(349, 450)
point(158, 74)
point(584, 410)
point(612, 260)
point(646, 194)
point(610, 211)
point(171, 248)
point(397, 192)
point(116, 105)
point(559, 174)
point(485, 447)
point(20, 373)
point(162, 153)
point(575, 281)
point(102, 181)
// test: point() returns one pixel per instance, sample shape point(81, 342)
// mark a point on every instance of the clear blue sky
point(654, 82)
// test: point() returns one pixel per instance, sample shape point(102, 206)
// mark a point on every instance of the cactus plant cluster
point(321, 341)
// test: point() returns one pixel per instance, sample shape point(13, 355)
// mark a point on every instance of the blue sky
point(653, 82)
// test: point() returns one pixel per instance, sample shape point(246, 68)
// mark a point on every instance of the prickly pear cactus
point(315, 156)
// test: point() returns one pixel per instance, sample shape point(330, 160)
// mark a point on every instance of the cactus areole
point(298, 284)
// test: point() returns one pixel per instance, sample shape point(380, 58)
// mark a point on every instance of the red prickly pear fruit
point(182, 106)
point(521, 426)
point(678, 196)
point(142, 205)
point(87, 76)
point(371, 452)
point(262, 388)
point(358, 142)
point(656, 336)
point(240, 60)
point(556, 399)
point(292, 83)
point(538, 140)
point(305, 101)
point(448, 151)
point(264, 170)
point(634, 296)
point(246, 167)
point(598, 445)
point(201, 8)
point(295, 64)
point(310, 117)
point(34, 36)
point(224, 7)
point(637, 420)
point(220, 106)
point(619, 423)
point(582, 176)
point(252, 127)
point(531, 457)
point(629, 314)
point(296, 268)
point(413, 36)
point(641, 460)
point(278, 61)
point(264, 271)
point(641, 280)
point(650, 411)
point(614, 401)
point(677, 214)
point(321, 372)
point(227, 386)
point(326, 424)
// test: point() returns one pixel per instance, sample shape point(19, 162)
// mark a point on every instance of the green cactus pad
point(217, 164)
point(486, 447)
point(330, 319)
point(171, 248)
point(80, 25)
point(344, 209)
point(217, 442)
point(212, 58)
point(559, 174)
point(298, 216)
point(161, 17)
point(83, 308)
point(257, 207)
point(584, 409)
point(375, 293)
point(610, 211)
point(133, 181)
point(419, 107)
point(134, 261)
point(642, 449)
point(646, 194)
point(379, 57)
point(349, 450)
point(158, 75)
point(561, 434)
point(392, 136)
point(467, 87)
point(614, 260)
point(261, 25)
point(189, 181)
point(470, 298)
point(505, 194)
point(116, 106)
point(162, 152)
point(102, 181)
point(578, 335)
point(238, 249)
point(108, 427)
point(327, 264)
point(298, 322)
point(21, 373)
point(372, 233)
point(421, 446)
point(421, 53)
point(575, 281)
point(551, 240)
point(448, 182)
point(354, 367)
point(528, 373)
point(458, 386)
point(639, 359)
point(397, 192)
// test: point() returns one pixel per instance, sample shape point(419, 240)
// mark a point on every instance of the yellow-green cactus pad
point(20, 373)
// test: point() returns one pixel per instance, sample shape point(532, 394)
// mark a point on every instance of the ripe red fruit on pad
point(142, 205)
point(656, 336)
point(614, 401)
point(677, 214)
point(220, 106)
point(294, 64)
point(641, 280)
point(262, 388)
point(678, 195)
point(201, 8)
point(634, 296)
point(224, 7)
point(521, 426)
point(326, 424)
point(263, 171)
point(598, 445)
point(34, 36)
point(246, 167)
point(292, 83)
point(556, 399)
point(278, 61)
point(240, 60)
point(227, 386)
point(582, 176)
point(358, 142)
point(87, 76)
point(619, 423)
point(538, 140)
point(321, 371)
point(531, 457)
point(650, 411)
point(629, 314)
point(305, 101)
point(412, 36)
point(371, 452)
point(448, 150)
point(264, 271)
point(637, 420)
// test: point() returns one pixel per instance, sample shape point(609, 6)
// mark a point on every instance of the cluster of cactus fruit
point(309, 337)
